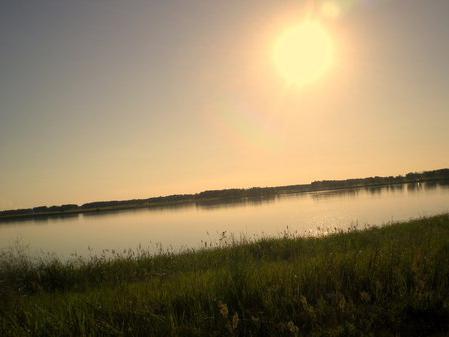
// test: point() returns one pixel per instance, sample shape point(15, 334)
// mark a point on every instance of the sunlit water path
point(191, 225)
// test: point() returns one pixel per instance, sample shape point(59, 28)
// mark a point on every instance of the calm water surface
point(188, 226)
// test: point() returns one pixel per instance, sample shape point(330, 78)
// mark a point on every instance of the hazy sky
point(109, 99)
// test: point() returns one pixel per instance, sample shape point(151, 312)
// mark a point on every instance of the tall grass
point(389, 281)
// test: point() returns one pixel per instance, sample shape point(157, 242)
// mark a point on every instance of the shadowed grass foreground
point(390, 281)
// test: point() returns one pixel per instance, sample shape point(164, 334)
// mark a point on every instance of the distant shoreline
point(224, 195)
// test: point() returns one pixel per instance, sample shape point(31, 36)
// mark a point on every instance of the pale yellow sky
point(104, 100)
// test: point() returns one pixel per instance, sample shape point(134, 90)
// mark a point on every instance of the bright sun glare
point(303, 53)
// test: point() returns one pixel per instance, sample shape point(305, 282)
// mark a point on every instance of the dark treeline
point(227, 194)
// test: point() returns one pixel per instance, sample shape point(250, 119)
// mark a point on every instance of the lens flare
point(330, 9)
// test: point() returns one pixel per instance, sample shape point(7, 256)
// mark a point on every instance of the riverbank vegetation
point(227, 195)
point(380, 281)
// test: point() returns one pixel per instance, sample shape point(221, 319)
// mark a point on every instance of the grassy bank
point(390, 281)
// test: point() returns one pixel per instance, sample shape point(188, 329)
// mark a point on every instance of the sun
point(303, 53)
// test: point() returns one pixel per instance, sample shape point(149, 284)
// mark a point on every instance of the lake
point(190, 225)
